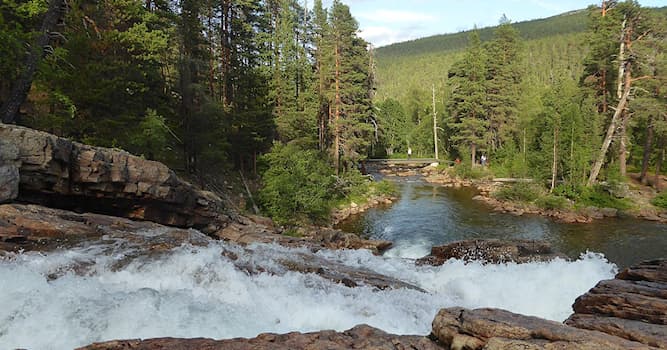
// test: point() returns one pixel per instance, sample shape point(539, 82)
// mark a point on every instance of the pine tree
point(504, 72)
point(467, 105)
point(351, 86)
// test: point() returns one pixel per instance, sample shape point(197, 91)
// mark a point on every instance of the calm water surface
point(429, 215)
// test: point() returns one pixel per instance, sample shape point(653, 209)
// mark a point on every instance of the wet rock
point(247, 232)
point(59, 173)
point(492, 251)
point(33, 227)
point(494, 329)
point(359, 337)
point(339, 273)
point(632, 306)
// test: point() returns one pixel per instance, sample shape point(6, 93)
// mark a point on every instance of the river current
point(112, 289)
point(428, 215)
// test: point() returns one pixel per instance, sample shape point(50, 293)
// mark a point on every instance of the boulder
point(247, 232)
point(359, 337)
point(59, 173)
point(492, 251)
point(632, 306)
point(494, 329)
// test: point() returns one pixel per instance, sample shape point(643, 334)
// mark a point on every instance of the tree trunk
point(554, 165)
point(647, 151)
point(623, 145)
point(595, 171)
point(658, 163)
point(19, 92)
point(336, 151)
point(473, 152)
point(623, 92)
point(435, 125)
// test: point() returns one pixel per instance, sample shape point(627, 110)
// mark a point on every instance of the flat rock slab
point(632, 306)
point(491, 251)
point(494, 329)
point(360, 337)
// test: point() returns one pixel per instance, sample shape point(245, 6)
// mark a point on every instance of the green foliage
point(298, 186)
point(151, 137)
point(465, 171)
point(384, 187)
point(521, 191)
point(660, 200)
point(552, 202)
point(598, 196)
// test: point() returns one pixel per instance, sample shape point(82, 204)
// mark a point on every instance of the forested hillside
point(567, 23)
point(295, 96)
point(570, 99)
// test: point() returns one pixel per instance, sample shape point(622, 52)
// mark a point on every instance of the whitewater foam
point(66, 299)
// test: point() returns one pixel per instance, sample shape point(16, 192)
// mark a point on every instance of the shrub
point(298, 186)
point(598, 197)
point(660, 200)
point(521, 191)
point(385, 187)
point(552, 202)
point(569, 191)
point(464, 171)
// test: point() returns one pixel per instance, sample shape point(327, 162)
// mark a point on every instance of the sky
point(383, 22)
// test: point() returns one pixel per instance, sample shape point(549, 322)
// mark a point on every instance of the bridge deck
point(406, 161)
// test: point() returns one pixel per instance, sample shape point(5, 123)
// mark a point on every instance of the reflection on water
point(429, 215)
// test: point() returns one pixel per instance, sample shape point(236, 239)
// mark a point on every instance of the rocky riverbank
point(345, 211)
point(487, 187)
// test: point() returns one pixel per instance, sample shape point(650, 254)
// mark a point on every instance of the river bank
point(569, 213)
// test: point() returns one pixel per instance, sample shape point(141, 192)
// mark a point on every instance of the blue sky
point(384, 22)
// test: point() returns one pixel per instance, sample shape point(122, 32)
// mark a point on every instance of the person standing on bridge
point(409, 152)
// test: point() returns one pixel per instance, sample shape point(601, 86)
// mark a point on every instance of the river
point(114, 288)
point(428, 215)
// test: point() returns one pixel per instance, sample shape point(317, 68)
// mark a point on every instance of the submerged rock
point(492, 251)
point(59, 173)
point(632, 306)
point(359, 337)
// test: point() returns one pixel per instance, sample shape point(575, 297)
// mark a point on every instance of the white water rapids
point(71, 298)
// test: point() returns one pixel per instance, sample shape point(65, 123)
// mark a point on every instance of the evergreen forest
point(290, 94)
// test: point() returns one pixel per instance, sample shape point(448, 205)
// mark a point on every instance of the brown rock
point(492, 251)
point(493, 329)
point(359, 337)
point(632, 306)
point(63, 174)
point(9, 171)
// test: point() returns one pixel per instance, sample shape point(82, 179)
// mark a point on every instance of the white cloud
point(380, 36)
point(395, 16)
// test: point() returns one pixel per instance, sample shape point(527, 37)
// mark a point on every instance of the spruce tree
point(467, 105)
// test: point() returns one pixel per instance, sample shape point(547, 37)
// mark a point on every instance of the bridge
point(415, 162)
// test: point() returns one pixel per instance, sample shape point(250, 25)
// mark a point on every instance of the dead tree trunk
point(595, 171)
point(38, 50)
point(623, 92)
point(647, 151)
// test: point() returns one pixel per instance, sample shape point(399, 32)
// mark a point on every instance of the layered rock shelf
point(56, 172)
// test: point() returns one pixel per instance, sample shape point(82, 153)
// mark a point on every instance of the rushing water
point(429, 215)
point(105, 290)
